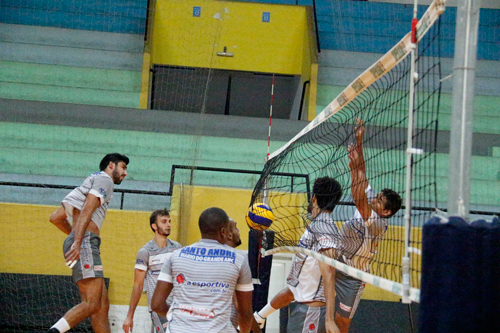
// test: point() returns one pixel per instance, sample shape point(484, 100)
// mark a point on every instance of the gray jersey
point(204, 277)
point(304, 279)
point(99, 184)
point(151, 258)
point(360, 238)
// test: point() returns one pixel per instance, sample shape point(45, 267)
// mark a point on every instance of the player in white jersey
point(202, 278)
point(312, 283)
point(80, 217)
point(149, 262)
point(361, 234)
point(357, 242)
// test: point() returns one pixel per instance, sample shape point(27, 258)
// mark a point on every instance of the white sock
point(266, 311)
point(62, 325)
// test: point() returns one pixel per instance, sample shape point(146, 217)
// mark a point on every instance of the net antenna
point(266, 193)
point(378, 94)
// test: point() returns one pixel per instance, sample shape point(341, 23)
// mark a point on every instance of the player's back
point(205, 276)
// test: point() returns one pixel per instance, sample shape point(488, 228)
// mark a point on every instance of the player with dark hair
point(312, 283)
point(149, 262)
point(81, 217)
point(203, 278)
point(361, 234)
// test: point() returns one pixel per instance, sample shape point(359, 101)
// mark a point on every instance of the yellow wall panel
point(281, 45)
point(32, 245)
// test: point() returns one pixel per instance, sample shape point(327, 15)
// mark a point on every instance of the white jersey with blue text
point(304, 279)
point(360, 238)
point(151, 258)
point(99, 184)
point(204, 277)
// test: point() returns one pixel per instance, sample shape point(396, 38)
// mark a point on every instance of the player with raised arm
point(362, 233)
point(81, 217)
point(312, 283)
point(202, 278)
point(358, 239)
point(150, 260)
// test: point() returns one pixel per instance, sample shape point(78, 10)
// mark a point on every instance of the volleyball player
point(150, 260)
point(81, 217)
point(361, 234)
point(312, 283)
point(202, 278)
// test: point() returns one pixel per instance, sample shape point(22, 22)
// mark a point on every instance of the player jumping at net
point(203, 278)
point(312, 283)
point(150, 260)
point(81, 217)
point(362, 233)
point(358, 239)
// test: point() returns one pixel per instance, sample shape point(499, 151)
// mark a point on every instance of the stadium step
point(486, 118)
point(341, 68)
point(69, 76)
point(47, 93)
point(168, 149)
point(96, 40)
point(70, 56)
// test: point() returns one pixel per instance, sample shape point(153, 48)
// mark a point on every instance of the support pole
point(463, 95)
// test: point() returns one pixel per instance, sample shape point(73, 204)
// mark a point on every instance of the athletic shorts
point(306, 319)
point(348, 290)
point(90, 264)
point(159, 323)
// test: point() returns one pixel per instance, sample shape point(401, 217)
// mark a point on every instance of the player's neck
point(160, 240)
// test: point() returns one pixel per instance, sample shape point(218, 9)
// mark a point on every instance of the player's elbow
point(54, 218)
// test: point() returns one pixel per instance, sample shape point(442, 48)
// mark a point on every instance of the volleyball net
point(380, 97)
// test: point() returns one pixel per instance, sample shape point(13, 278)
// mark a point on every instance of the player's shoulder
point(148, 247)
point(101, 176)
point(172, 245)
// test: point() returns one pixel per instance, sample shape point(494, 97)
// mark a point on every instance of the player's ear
point(386, 212)
point(154, 226)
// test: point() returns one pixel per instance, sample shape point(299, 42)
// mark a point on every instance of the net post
point(463, 108)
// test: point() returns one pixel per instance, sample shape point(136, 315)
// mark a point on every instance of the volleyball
point(259, 216)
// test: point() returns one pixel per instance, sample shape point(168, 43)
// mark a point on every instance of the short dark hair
point(155, 214)
point(328, 192)
point(115, 158)
point(212, 220)
point(393, 201)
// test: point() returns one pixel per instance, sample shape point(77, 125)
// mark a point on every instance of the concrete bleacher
point(72, 51)
point(337, 69)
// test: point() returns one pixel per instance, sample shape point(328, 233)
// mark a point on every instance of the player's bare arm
point(328, 276)
point(245, 316)
point(159, 300)
point(359, 183)
point(139, 276)
point(59, 219)
point(80, 226)
point(359, 132)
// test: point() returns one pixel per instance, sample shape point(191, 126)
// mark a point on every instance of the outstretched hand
point(359, 131)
